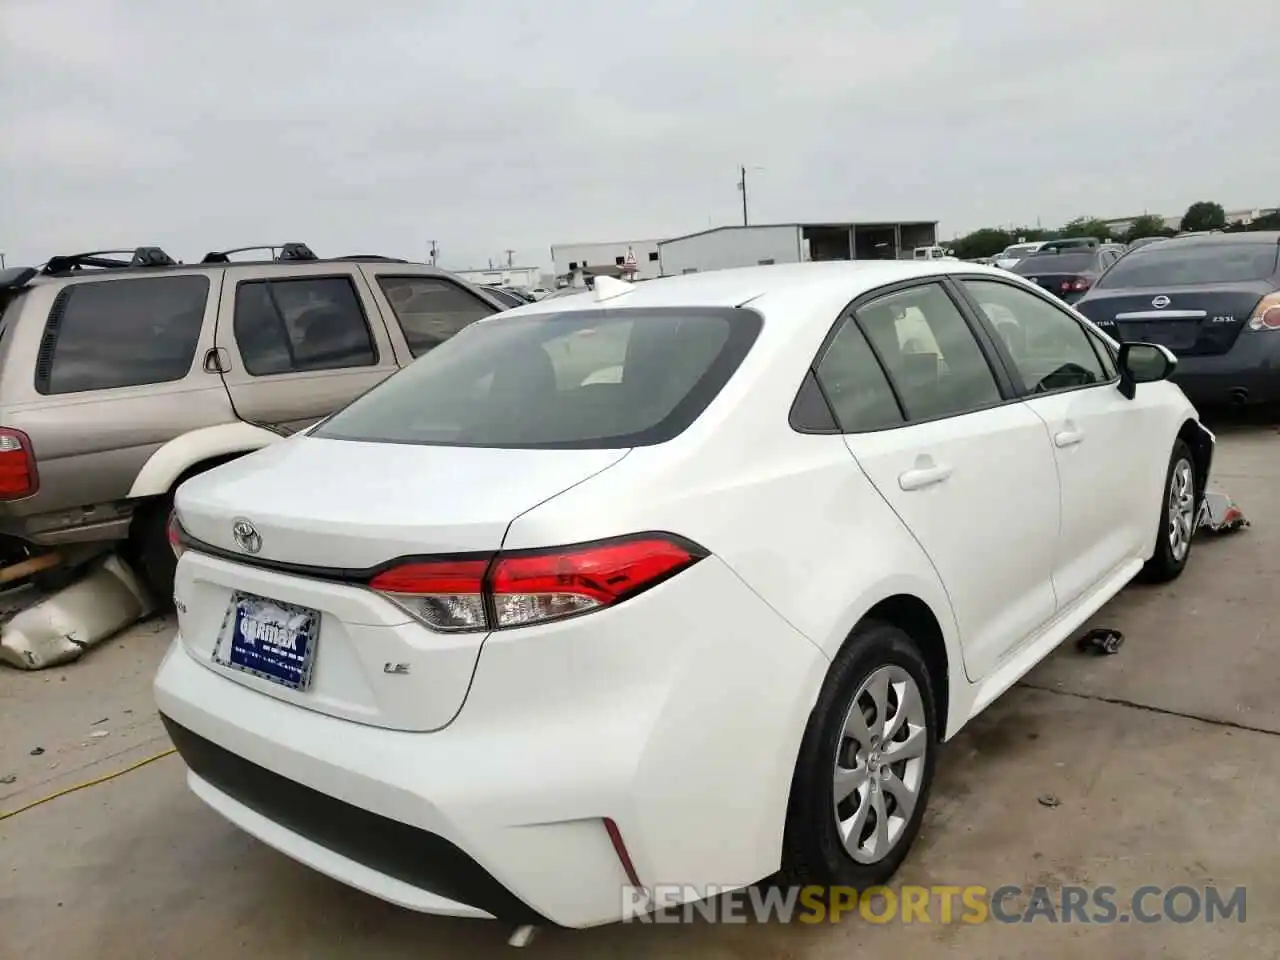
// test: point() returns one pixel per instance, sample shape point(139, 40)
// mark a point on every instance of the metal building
point(724, 247)
point(526, 278)
point(607, 259)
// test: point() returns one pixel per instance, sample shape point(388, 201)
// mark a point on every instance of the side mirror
point(1144, 363)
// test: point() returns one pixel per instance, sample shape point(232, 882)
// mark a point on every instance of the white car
point(504, 636)
point(1012, 255)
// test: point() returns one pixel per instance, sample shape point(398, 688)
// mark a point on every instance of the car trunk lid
point(281, 544)
point(1190, 321)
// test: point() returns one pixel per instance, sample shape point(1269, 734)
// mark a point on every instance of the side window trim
point(268, 281)
point(1023, 392)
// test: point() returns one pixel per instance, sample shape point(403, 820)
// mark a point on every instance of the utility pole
point(435, 251)
point(510, 254)
point(742, 186)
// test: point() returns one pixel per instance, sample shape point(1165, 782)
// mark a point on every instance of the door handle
point(1067, 438)
point(918, 478)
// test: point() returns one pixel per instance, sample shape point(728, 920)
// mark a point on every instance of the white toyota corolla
point(676, 583)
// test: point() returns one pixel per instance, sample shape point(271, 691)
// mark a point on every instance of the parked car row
point(123, 373)
point(1212, 298)
point(492, 639)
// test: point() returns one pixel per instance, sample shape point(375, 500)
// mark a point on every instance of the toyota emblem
point(1160, 302)
point(246, 536)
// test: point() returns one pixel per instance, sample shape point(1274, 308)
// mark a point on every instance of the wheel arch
point(922, 610)
point(1201, 442)
point(196, 451)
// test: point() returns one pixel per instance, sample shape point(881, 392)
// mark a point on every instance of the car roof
point(1259, 237)
point(743, 285)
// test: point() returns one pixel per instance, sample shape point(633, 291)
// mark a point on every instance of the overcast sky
point(370, 126)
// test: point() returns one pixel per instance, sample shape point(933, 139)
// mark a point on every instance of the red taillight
point(17, 465)
point(1075, 285)
point(1266, 316)
point(527, 587)
point(443, 594)
point(174, 531)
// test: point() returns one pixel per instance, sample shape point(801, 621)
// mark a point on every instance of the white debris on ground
point(53, 629)
point(1219, 514)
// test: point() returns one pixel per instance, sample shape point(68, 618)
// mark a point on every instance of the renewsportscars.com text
point(682, 903)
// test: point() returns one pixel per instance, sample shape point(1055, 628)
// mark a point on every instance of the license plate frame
point(261, 637)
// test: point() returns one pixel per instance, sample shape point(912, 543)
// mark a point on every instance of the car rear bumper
point(678, 721)
point(1248, 373)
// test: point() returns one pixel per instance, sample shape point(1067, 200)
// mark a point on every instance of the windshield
point(590, 378)
point(1025, 250)
point(1054, 263)
point(1171, 264)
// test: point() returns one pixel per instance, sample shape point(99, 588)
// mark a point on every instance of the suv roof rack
point(288, 252)
point(109, 260)
point(371, 256)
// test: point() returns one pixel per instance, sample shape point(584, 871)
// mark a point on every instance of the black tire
point(150, 551)
point(813, 852)
point(1166, 564)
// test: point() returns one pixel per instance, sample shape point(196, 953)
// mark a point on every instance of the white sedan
point(676, 583)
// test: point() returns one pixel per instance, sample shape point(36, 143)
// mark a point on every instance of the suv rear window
point(582, 379)
point(1171, 264)
point(1055, 263)
point(121, 333)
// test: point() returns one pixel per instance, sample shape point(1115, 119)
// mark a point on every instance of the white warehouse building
point(722, 248)
point(607, 259)
point(525, 278)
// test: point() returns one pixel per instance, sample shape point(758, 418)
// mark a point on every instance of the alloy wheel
point(880, 764)
point(1182, 506)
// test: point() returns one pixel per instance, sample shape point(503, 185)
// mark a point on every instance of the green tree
point(1204, 215)
point(1147, 225)
point(1087, 227)
point(986, 242)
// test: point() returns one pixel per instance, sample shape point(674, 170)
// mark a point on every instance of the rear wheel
point(1177, 519)
point(865, 766)
point(150, 551)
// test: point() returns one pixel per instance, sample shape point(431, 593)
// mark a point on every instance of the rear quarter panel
point(90, 446)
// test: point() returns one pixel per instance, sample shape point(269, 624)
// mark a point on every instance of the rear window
point(615, 378)
point(1019, 251)
point(1055, 263)
point(121, 333)
point(1170, 264)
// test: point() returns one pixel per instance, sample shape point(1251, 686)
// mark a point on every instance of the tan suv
point(121, 376)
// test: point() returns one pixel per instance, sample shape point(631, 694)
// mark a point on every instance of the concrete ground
point(1164, 762)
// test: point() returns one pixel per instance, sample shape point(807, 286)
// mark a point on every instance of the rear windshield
point(581, 379)
point(1019, 251)
point(1172, 264)
point(1055, 263)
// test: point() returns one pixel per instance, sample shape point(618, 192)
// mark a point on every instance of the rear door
point(968, 470)
point(298, 344)
point(1102, 442)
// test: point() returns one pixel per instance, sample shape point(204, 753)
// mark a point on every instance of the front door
point(1100, 440)
point(969, 472)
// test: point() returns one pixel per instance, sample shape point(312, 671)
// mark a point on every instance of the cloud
point(385, 125)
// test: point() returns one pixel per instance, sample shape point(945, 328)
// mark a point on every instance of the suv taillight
point(18, 477)
point(533, 586)
point(1266, 315)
